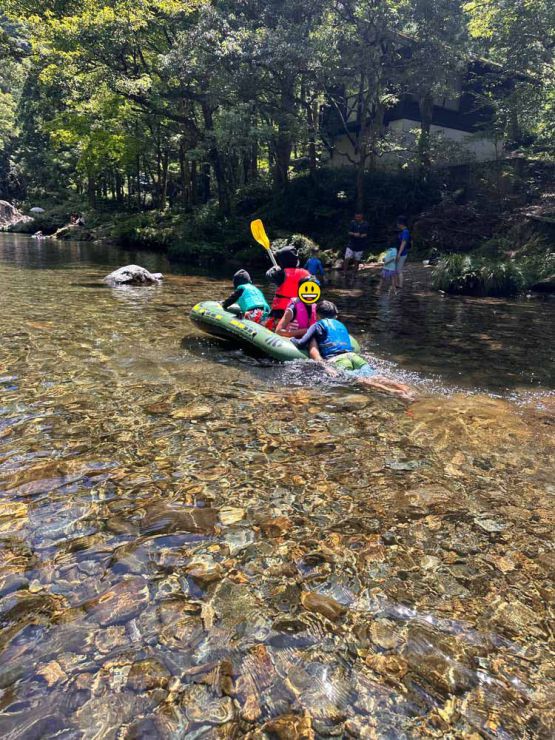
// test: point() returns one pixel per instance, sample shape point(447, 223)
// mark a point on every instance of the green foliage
point(202, 254)
point(323, 206)
point(199, 114)
point(483, 276)
point(471, 275)
point(538, 267)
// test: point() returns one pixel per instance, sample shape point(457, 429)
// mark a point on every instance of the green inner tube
point(213, 319)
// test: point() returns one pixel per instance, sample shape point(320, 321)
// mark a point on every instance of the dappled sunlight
point(192, 541)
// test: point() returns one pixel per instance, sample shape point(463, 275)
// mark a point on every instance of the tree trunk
point(217, 163)
point(91, 189)
point(426, 104)
point(254, 161)
point(312, 116)
point(194, 184)
point(164, 179)
point(184, 178)
point(282, 157)
point(283, 144)
point(138, 175)
point(361, 148)
point(119, 189)
point(205, 183)
point(360, 184)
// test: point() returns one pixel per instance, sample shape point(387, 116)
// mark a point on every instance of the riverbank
point(493, 244)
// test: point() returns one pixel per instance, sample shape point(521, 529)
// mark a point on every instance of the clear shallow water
point(194, 545)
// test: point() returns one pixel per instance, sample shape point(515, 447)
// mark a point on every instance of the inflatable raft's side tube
point(213, 319)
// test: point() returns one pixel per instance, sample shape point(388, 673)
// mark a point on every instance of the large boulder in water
point(75, 233)
point(133, 275)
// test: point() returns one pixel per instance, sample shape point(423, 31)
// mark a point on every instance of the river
point(195, 544)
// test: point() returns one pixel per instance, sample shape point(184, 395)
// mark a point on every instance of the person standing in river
point(403, 248)
point(358, 241)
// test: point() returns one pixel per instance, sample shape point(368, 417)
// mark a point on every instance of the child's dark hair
point(327, 309)
point(402, 220)
point(241, 277)
point(315, 250)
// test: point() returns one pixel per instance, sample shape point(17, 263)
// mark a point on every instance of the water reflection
point(194, 544)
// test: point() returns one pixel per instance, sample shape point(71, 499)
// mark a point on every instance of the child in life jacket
point(328, 342)
point(250, 299)
point(298, 316)
point(286, 277)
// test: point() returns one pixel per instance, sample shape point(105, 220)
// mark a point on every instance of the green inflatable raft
point(213, 319)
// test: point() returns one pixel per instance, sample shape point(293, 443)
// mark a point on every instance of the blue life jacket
point(251, 297)
point(337, 339)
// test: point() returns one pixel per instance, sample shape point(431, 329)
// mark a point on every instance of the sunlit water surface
point(197, 545)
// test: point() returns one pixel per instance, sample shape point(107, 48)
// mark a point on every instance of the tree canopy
point(144, 103)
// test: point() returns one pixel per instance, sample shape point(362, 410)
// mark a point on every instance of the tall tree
point(360, 67)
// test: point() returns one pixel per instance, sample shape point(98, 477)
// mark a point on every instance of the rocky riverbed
point(191, 546)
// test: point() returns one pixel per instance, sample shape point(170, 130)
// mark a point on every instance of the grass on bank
point(484, 276)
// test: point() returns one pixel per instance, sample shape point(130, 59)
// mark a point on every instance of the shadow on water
point(195, 544)
point(490, 344)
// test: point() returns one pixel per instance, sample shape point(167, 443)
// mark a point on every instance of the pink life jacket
point(304, 316)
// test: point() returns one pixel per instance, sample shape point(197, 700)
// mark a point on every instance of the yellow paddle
point(259, 233)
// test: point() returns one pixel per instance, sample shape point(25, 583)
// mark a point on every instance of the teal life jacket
point(251, 297)
point(337, 339)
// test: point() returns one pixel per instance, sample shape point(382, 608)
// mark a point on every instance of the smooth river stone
point(124, 601)
point(231, 514)
point(193, 412)
point(148, 674)
point(290, 727)
point(329, 608)
point(162, 519)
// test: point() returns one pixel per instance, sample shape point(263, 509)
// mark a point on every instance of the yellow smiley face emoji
point(309, 291)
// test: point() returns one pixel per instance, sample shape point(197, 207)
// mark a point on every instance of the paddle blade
point(259, 233)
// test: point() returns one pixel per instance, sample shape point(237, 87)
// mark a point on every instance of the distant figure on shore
point(404, 245)
point(358, 240)
point(314, 264)
point(389, 270)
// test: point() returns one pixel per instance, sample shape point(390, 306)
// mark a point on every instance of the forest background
point(170, 123)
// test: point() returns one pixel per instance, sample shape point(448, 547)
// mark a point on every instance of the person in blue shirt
point(250, 299)
point(403, 248)
point(314, 264)
point(328, 342)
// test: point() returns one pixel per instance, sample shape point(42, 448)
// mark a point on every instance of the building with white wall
point(460, 130)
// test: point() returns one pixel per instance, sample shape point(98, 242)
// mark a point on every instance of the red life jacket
point(303, 315)
point(289, 288)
